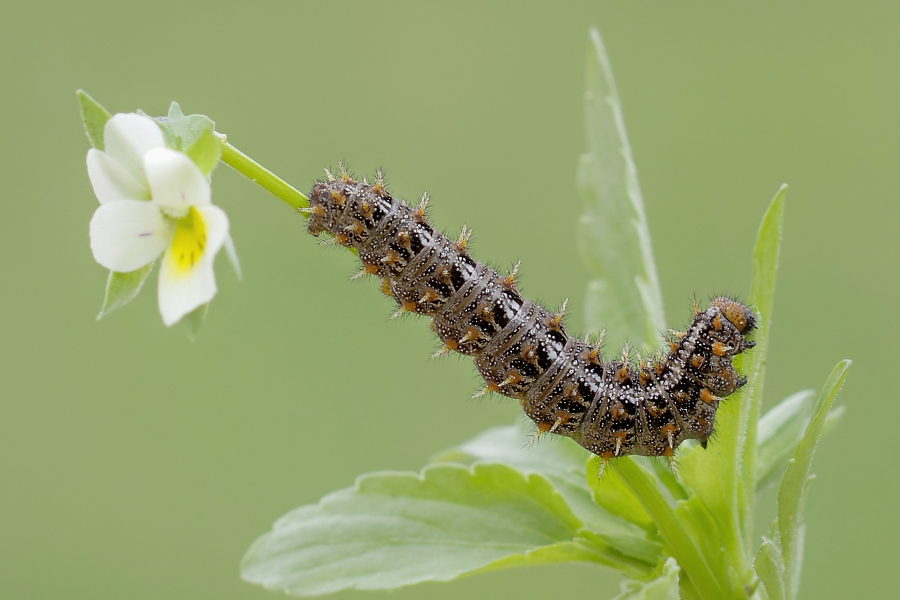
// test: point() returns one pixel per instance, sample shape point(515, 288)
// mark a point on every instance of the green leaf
point(94, 117)
point(721, 474)
point(703, 531)
point(205, 151)
point(194, 320)
point(612, 493)
point(676, 530)
point(396, 529)
point(121, 288)
point(638, 560)
point(762, 292)
point(625, 297)
point(664, 587)
point(780, 430)
point(562, 462)
point(769, 567)
point(586, 547)
point(794, 485)
point(665, 475)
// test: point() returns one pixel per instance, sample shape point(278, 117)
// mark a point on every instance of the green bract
point(94, 118)
point(122, 288)
point(195, 135)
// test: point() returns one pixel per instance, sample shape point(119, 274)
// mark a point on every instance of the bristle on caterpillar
point(612, 408)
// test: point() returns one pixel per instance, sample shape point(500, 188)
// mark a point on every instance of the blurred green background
point(137, 464)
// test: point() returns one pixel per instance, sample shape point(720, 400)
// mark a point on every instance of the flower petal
point(216, 222)
point(175, 181)
point(128, 234)
point(180, 295)
point(111, 180)
point(181, 292)
point(127, 137)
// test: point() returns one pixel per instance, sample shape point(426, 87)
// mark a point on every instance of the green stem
point(268, 180)
point(694, 565)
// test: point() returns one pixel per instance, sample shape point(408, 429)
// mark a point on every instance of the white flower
point(153, 201)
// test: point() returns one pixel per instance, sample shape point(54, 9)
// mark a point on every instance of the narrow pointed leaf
point(769, 567)
point(762, 291)
point(94, 117)
point(396, 529)
point(121, 288)
point(719, 474)
point(668, 481)
point(664, 587)
point(697, 521)
point(562, 462)
point(625, 296)
point(792, 493)
point(780, 430)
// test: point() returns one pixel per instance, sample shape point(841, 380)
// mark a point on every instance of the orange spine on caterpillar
point(611, 408)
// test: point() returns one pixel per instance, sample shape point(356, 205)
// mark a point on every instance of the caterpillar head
point(737, 314)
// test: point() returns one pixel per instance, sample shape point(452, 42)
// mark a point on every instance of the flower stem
point(255, 172)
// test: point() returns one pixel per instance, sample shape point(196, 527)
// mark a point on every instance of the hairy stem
point(257, 173)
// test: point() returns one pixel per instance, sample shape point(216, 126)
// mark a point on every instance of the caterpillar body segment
point(611, 408)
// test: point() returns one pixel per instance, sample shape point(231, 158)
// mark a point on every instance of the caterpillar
point(612, 408)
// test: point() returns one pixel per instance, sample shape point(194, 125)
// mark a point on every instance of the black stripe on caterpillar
point(611, 408)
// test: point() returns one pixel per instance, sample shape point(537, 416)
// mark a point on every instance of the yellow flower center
point(188, 242)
